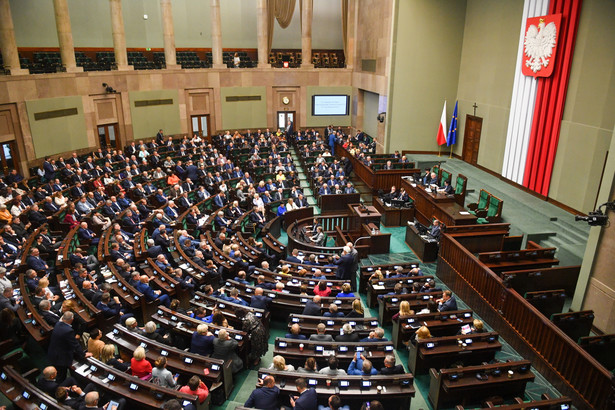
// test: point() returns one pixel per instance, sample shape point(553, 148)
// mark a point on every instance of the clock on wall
point(285, 100)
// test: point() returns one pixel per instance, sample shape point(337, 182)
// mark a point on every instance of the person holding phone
point(91, 402)
point(307, 399)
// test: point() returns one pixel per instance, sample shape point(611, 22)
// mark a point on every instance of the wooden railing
point(565, 364)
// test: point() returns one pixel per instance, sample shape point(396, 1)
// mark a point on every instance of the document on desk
point(464, 213)
point(378, 287)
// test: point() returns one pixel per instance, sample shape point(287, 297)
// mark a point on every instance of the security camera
point(593, 219)
point(597, 217)
point(381, 117)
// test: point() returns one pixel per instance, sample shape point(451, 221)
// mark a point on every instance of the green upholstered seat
point(444, 175)
point(460, 185)
point(483, 200)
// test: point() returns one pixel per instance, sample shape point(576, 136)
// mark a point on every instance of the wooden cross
point(475, 107)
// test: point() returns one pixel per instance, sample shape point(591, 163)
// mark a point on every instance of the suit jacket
point(322, 338)
point(311, 309)
point(227, 349)
point(50, 317)
point(344, 270)
point(63, 347)
point(265, 398)
point(397, 369)
point(147, 291)
point(308, 400)
point(260, 302)
point(449, 305)
point(351, 338)
point(293, 259)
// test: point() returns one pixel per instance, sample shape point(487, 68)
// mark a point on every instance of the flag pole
point(451, 154)
point(439, 149)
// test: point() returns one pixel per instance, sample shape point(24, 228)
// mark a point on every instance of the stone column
point(119, 36)
point(168, 34)
point(262, 32)
point(306, 33)
point(216, 35)
point(10, 56)
point(65, 36)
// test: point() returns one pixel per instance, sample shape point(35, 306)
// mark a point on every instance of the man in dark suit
point(49, 383)
point(50, 317)
point(35, 262)
point(220, 200)
point(87, 235)
point(63, 347)
point(320, 335)
point(35, 217)
point(344, 265)
point(295, 333)
point(265, 397)
point(294, 257)
point(159, 138)
point(90, 402)
point(301, 202)
point(151, 294)
point(434, 232)
point(312, 307)
point(307, 399)
point(390, 367)
point(259, 300)
point(447, 302)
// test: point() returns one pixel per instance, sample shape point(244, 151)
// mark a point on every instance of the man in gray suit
point(320, 335)
point(225, 348)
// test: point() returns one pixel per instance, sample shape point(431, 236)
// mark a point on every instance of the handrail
point(565, 363)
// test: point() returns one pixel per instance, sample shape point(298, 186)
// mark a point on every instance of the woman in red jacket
point(139, 366)
point(321, 289)
point(71, 216)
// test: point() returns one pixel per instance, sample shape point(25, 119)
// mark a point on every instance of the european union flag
point(451, 138)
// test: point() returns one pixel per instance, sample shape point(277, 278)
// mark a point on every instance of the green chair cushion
point(482, 221)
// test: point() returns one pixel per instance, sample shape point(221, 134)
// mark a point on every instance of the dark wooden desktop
point(439, 324)
point(444, 392)
point(396, 396)
point(434, 204)
point(450, 349)
point(425, 249)
point(391, 215)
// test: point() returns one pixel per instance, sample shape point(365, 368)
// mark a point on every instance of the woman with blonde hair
point(346, 291)
point(108, 356)
point(357, 309)
point(139, 366)
point(423, 333)
point(376, 275)
point(279, 363)
point(404, 310)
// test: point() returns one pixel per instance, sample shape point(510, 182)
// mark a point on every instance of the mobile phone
point(283, 383)
point(113, 405)
point(337, 390)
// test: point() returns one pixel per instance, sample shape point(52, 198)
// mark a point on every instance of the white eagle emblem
point(539, 43)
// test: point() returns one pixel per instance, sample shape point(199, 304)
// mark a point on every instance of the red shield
point(540, 45)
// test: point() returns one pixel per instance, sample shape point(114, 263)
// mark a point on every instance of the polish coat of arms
point(540, 45)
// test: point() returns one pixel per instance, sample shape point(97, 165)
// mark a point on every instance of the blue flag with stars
point(451, 138)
